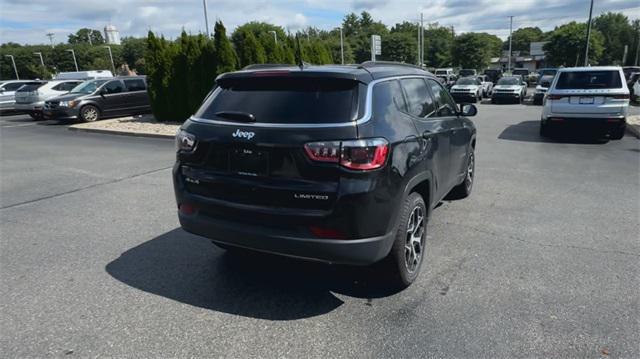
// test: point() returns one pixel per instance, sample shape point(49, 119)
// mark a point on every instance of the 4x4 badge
point(245, 134)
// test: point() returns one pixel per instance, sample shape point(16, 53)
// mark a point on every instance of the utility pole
point(206, 18)
point(510, 40)
point(624, 55)
point(275, 37)
point(586, 51)
point(89, 37)
point(113, 66)
point(341, 46)
point(73, 53)
point(419, 43)
point(421, 39)
point(15, 69)
point(637, 47)
point(50, 36)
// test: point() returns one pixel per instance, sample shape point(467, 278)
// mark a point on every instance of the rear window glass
point(520, 72)
point(509, 81)
point(135, 85)
point(31, 87)
point(284, 100)
point(584, 80)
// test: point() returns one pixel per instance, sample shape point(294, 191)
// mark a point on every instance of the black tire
point(493, 101)
point(89, 113)
point(400, 272)
point(544, 130)
point(36, 115)
point(617, 134)
point(463, 190)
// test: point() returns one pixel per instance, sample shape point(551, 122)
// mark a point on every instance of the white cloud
point(28, 21)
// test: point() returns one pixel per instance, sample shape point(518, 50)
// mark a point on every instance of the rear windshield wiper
point(237, 116)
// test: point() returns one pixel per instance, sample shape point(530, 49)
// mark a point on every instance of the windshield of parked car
point(88, 87)
point(441, 72)
point(467, 81)
point(520, 72)
point(545, 81)
point(467, 72)
point(509, 81)
point(584, 80)
point(283, 100)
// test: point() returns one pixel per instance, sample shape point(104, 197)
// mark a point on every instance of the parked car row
point(86, 96)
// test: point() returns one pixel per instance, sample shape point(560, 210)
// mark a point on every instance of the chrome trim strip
point(362, 120)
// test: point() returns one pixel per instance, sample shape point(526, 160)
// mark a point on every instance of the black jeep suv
point(341, 164)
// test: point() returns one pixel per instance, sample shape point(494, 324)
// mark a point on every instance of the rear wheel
point(36, 115)
point(89, 113)
point(544, 130)
point(463, 190)
point(617, 134)
point(407, 253)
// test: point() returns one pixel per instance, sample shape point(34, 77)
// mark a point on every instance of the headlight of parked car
point(185, 141)
point(70, 104)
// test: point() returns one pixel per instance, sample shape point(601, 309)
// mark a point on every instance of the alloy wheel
point(414, 243)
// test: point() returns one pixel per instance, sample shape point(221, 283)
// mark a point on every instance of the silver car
point(7, 93)
point(587, 98)
point(30, 98)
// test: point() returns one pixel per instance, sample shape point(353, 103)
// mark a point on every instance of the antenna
point(50, 35)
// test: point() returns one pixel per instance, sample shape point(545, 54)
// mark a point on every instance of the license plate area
point(586, 100)
point(248, 162)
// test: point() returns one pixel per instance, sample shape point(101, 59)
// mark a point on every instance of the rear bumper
point(267, 239)
point(30, 107)
point(598, 125)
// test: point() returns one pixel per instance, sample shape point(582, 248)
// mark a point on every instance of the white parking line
point(21, 125)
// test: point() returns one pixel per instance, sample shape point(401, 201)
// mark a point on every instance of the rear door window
point(388, 98)
point(135, 85)
point(283, 100)
point(419, 100)
point(589, 80)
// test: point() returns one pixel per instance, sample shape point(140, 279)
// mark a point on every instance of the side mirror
point(469, 110)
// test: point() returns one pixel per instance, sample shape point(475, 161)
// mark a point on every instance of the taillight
point(554, 97)
point(621, 97)
point(367, 154)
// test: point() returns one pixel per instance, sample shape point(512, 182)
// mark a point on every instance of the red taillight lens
point(554, 97)
point(186, 208)
point(323, 151)
point(365, 154)
point(621, 97)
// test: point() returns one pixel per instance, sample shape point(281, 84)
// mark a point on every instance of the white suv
point(590, 98)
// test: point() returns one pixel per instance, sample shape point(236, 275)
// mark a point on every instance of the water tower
point(111, 35)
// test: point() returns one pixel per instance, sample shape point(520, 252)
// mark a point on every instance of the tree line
point(186, 67)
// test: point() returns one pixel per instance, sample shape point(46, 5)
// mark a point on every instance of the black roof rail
point(265, 66)
point(369, 64)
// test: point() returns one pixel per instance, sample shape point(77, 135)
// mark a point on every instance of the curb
point(122, 133)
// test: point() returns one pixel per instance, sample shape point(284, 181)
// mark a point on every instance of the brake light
point(621, 97)
point(328, 233)
point(186, 208)
point(554, 97)
point(367, 154)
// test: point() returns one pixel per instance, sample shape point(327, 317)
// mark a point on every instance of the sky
point(27, 21)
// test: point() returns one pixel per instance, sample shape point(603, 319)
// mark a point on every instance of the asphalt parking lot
point(542, 260)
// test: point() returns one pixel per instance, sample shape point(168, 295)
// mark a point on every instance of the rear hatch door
point(29, 93)
point(597, 92)
point(251, 141)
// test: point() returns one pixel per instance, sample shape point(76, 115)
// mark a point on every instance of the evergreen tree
point(248, 48)
point(226, 58)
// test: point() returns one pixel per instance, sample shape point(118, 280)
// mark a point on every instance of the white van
point(587, 98)
point(84, 75)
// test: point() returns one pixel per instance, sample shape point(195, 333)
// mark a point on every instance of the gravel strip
point(137, 125)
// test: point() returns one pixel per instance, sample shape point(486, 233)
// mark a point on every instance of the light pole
point(41, 60)
point(421, 40)
point(206, 18)
point(50, 36)
point(73, 53)
point(342, 47)
point(89, 37)
point(586, 51)
point(113, 66)
point(13, 61)
point(510, 39)
point(275, 37)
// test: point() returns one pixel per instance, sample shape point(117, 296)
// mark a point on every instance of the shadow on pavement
point(191, 270)
point(529, 131)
